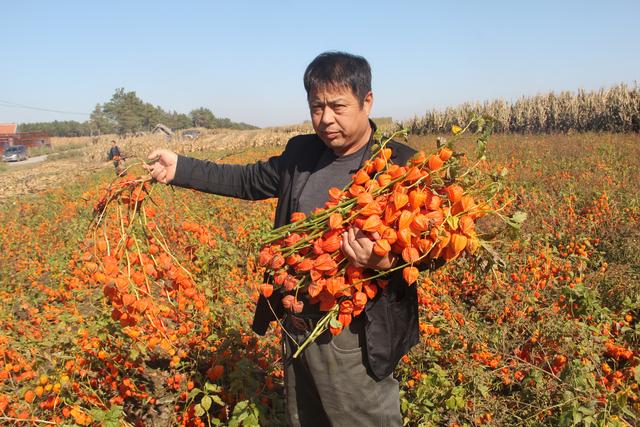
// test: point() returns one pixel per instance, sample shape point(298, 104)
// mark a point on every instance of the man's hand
point(164, 169)
point(358, 248)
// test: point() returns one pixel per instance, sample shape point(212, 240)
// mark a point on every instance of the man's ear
point(367, 103)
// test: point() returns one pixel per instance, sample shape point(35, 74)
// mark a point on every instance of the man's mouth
point(331, 135)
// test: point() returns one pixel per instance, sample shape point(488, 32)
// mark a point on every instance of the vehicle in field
point(191, 134)
point(15, 153)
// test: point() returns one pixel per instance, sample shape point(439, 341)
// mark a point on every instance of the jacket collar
point(374, 129)
point(306, 165)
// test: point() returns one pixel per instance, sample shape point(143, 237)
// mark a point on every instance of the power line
point(9, 104)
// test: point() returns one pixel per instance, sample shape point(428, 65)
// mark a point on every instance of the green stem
point(320, 328)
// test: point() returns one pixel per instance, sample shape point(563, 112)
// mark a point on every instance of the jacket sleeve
point(254, 181)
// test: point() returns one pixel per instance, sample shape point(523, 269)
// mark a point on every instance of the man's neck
point(362, 141)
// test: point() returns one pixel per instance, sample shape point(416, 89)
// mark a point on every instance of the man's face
point(339, 119)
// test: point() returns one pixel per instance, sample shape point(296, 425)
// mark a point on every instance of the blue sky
point(245, 59)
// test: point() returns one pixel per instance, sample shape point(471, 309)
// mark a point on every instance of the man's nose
point(327, 116)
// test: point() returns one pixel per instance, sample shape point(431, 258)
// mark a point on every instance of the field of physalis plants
point(129, 303)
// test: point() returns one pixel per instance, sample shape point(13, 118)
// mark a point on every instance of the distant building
point(9, 136)
point(8, 128)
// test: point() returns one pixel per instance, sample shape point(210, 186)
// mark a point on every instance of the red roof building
point(9, 136)
point(8, 128)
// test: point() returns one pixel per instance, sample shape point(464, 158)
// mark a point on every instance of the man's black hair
point(339, 70)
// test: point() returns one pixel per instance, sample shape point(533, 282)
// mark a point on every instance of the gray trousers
point(328, 384)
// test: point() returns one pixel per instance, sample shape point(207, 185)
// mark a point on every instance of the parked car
point(15, 153)
point(191, 134)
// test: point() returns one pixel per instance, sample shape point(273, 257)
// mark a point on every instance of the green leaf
point(198, 410)
point(116, 412)
point(212, 388)
point(246, 414)
point(586, 411)
point(335, 323)
point(241, 406)
point(453, 222)
point(517, 219)
point(110, 418)
point(206, 403)
point(97, 414)
point(480, 124)
point(484, 390)
point(450, 403)
point(193, 393)
point(217, 400)
point(577, 417)
point(519, 216)
point(481, 148)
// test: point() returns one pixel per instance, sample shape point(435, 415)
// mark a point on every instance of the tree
point(58, 128)
point(127, 110)
point(100, 123)
point(152, 115)
point(203, 117)
point(177, 120)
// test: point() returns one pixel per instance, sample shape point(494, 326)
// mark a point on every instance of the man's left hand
point(358, 248)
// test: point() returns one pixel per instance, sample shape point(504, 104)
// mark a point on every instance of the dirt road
point(29, 161)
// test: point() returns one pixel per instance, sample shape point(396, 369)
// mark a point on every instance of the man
point(344, 380)
point(114, 154)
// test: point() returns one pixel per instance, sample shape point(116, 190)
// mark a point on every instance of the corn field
point(616, 109)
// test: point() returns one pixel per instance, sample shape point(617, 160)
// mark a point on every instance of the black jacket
point(392, 316)
point(114, 151)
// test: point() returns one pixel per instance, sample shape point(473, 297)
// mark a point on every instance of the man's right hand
point(164, 169)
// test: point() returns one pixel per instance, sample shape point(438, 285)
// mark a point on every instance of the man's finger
point(346, 247)
point(154, 154)
point(363, 240)
point(155, 172)
point(153, 160)
point(148, 166)
point(353, 241)
point(358, 233)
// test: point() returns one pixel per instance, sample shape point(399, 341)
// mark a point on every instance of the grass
point(56, 148)
point(67, 154)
